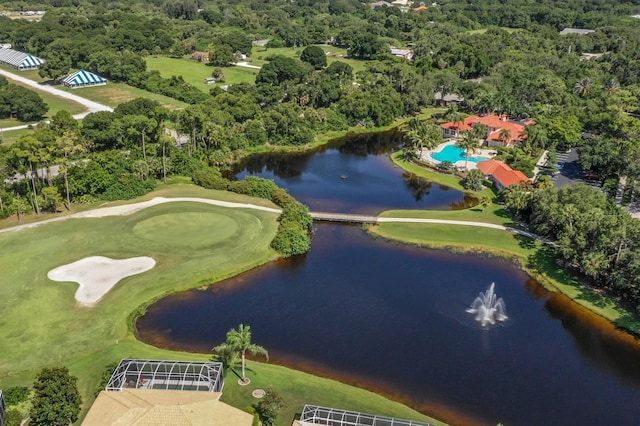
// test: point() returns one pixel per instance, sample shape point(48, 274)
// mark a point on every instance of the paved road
point(90, 105)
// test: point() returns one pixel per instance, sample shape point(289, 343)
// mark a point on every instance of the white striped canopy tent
point(19, 60)
point(83, 78)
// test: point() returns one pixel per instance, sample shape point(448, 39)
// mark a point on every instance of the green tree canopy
point(315, 56)
point(56, 400)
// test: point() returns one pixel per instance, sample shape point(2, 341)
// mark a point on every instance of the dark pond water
point(353, 175)
point(392, 318)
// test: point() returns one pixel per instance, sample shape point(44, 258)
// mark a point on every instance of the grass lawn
point(41, 325)
point(196, 72)
point(259, 55)
point(7, 138)
point(113, 94)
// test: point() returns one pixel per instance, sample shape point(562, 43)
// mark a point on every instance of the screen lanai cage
point(167, 375)
point(2, 408)
point(312, 414)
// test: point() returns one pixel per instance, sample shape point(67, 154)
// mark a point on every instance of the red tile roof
point(461, 126)
point(492, 121)
point(504, 174)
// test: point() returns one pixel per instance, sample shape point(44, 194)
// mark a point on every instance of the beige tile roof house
point(151, 407)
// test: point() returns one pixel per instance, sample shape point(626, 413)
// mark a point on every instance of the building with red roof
point(495, 125)
point(501, 174)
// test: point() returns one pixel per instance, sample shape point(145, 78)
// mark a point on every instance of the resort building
point(313, 415)
point(2, 409)
point(83, 78)
point(514, 130)
point(501, 174)
point(19, 60)
point(154, 392)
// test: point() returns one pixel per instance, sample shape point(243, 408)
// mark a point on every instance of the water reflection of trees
point(369, 144)
point(597, 339)
point(466, 202)
point(281, 165)
point(418, 187)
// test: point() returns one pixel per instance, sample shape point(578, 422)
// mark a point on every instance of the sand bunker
point(98, 274)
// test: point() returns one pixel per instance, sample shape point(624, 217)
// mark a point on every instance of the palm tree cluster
point(470, 140)
point(238, 344)
point(421, 134)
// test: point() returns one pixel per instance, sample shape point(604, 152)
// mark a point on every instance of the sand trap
point(98, 274)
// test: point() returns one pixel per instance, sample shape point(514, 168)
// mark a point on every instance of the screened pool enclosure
point(167, 375)
point(314, 415)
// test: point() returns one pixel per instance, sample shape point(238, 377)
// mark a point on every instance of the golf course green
point(193, 244)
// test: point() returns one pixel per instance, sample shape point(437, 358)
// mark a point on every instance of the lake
point(391, 317)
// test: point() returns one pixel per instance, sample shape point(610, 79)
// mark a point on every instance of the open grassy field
point(196, 72)
point(113, 94)
point(193, 244)
point(259, 55)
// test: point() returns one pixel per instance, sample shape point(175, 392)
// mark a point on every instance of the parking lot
point(570, 171)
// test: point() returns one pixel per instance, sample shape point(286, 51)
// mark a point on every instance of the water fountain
point(488, 308)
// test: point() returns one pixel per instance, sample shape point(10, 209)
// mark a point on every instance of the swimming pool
point(452, 154)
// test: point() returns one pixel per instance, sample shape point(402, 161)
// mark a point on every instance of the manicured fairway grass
point(193, 244)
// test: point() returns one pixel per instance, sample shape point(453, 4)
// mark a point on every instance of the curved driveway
point(90, 105)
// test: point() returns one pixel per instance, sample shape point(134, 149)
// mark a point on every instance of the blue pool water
point(452, 154)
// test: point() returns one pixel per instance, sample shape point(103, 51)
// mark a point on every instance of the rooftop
point(501, 172)
point(164, 407)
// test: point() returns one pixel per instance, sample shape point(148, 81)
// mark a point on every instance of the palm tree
point(584, 86)
point(536, 136)
point(505, 136)
point(239, 341)
point(469, 143)
point(610, 87)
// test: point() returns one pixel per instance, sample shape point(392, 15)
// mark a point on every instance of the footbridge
point(343, 217)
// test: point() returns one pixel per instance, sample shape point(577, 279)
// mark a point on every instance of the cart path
point(128, 209)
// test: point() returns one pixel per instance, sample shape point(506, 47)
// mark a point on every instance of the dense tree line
point(20, 103)
point(590, 233)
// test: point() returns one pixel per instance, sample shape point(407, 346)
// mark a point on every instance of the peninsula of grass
point(193, 244)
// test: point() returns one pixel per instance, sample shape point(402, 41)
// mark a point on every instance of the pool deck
point(425, 155)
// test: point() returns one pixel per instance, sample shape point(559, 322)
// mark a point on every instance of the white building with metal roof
point(19, 60)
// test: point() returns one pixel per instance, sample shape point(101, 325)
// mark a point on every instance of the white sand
point(98, 274)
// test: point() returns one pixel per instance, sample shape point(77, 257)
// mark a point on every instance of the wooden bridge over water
point(342, 217)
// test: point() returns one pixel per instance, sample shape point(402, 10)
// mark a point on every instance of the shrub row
point(294, 232)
